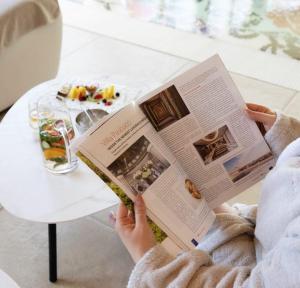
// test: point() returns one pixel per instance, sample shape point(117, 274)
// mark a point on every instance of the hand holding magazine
point(187, 147)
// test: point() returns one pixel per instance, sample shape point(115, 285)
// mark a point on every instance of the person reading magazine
point(187, 147)
point(247, 246)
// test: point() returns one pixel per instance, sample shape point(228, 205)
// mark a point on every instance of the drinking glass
point(56, 133)
point(32, 113)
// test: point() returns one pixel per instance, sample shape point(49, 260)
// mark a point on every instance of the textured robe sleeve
point(225, 258)
point(284, 131)
point(228, 243)
point(195, 269)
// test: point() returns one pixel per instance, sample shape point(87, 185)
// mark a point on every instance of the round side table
point(29, 191)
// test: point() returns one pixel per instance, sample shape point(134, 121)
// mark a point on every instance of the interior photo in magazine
point(139, 166)
point(215, 144)
point(165, 108)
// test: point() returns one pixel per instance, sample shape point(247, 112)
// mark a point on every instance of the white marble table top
point(28, 190)
point(6, 281)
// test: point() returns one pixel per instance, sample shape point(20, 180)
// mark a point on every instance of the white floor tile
point(263, 93)
point(293, 108)
point(188, 65)
point(74, 39)
point(108, 56)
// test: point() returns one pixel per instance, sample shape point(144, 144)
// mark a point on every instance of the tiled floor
point(270, 26)
point(238, 58)
point(90, 254)
point(74, 39)
point(96, 54)
point(88, 53)
point(293, 108)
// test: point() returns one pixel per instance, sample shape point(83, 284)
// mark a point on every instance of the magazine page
point(200, 116)
point(130, 152)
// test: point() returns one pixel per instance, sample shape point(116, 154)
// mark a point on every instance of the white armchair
point(30, 45)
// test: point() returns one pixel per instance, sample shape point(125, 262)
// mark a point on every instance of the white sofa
point(30, 45)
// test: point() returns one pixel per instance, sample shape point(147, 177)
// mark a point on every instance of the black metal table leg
point(52, 253)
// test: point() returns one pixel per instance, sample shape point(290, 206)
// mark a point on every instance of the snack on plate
point(90, 93)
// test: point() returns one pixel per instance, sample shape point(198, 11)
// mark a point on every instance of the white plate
point(129, 89)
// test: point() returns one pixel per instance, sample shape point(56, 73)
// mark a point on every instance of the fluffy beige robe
point(242, 250)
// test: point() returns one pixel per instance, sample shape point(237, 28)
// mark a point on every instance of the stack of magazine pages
point(187, 147)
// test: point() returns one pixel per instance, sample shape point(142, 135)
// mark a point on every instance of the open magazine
point(187, 147)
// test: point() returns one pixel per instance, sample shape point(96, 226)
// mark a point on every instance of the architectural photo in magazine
point(215, 144)
point(165, 108)
point(139, 166)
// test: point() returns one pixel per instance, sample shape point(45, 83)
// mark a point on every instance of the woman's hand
point(261, 114)
point(135, 234)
